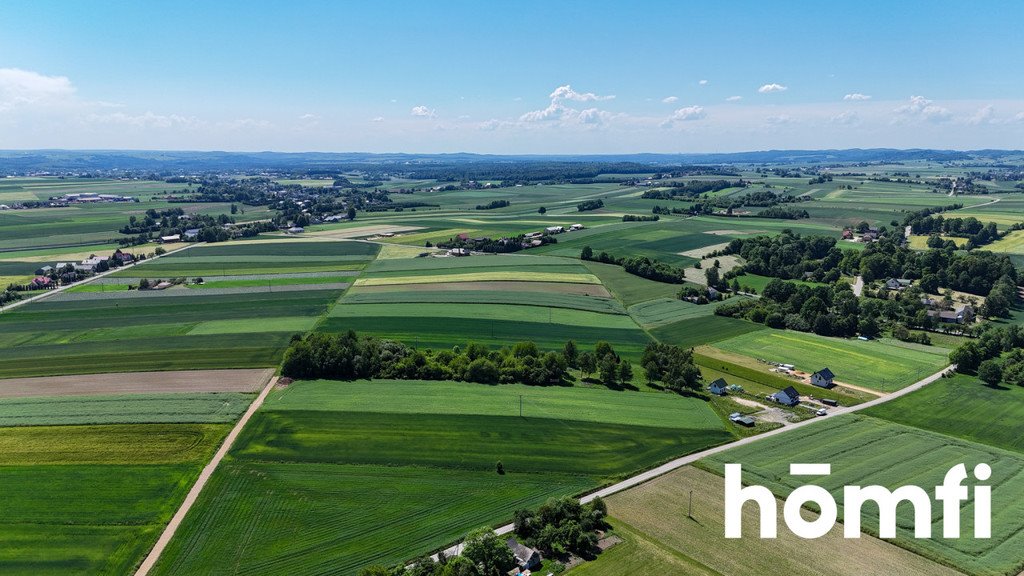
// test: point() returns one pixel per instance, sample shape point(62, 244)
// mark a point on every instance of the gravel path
point(193, 494)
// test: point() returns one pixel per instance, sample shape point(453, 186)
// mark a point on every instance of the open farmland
point(865, 451)
point(881, 365)
point(215, 407)
point(55, 337)
point(964, 407)
point(414, 469)
point(92, 499)
point(659, 537)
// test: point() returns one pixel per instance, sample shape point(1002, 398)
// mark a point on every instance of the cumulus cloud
point(670, 100)
point(567, 93)
point(423, 112)
point(558, 110)
point(769, 88)
point(377, 119)
point(309, 117)
point(857, 96)
point(734, 98)
point(703, 82)
point(24, 88)
point(920, 108)
point(684, 114)
point(146, 120)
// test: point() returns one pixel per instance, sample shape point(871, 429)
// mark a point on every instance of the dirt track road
point(204, 476)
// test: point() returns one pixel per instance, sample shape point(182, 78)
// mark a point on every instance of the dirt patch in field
point(499, 286)
point(248, 380)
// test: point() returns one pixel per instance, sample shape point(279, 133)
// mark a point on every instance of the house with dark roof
point(718, 387)
point(789, 396)
point(823, 378)
point(526, 558)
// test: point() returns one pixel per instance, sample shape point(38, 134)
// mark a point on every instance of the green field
point(93, 499)
point(667, 311)
point(387, 476)
point(964, 407)
point(703, 329)
point(884, 365)
point(864, 451)
point(630, 289)
point(523, 298)
point(124, 409)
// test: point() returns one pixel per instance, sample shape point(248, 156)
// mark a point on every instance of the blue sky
point(511, 77)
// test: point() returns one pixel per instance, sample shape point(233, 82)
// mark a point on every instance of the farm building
point(823, 378)
point(898, 283)
point(718, 387)
point(295, 230)
point(459, 252)
point(41, 283)
point(961, 315)
point(192, 233)
point(526, 558)
point(741, 419)
point(171, 238)
point(576, 227)
point(555, 229)
point(789, 396)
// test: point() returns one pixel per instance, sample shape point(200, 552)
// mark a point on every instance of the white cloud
point(848, 118)
point(984, 115)
point(377, 119)
point(780, 120)
point(311, 117)
point(769, 88)
point(567, 93)
point(558, 110)
point(734, 98)
point(24, 87)
point(423, 112)
point(685, 114)
point(921, 108)
point(857, 96)
point(146, 120)
point(670, 100)
point(703, 82)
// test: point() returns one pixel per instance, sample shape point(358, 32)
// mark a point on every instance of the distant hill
point(19, 161)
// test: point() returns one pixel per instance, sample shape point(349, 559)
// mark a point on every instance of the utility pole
point(689, 513)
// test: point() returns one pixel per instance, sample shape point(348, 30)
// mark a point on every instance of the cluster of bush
point(494, 204)
point(642, 266)
point(672, 366)
point(562, 526)
point(983, 355)
point(640, 218)
point(587, 205)
point(484, 553)
point(691, 189)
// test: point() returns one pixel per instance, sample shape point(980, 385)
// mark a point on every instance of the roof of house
point(521, 552)
point(825, 373)
point(719, 382)
point(791, 392)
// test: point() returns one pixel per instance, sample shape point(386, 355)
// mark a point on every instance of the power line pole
point(689, 513)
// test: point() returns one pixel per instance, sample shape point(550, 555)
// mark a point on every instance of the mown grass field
point(386, 476)
point(535, 299)
point(964, 407)
point(661, 539)
point(703, 329)
point(124, 409)
point(493, 311)
point(462, 398)
point(864, 451)
point(884, 365)
point(667, 311)
point(630, 289)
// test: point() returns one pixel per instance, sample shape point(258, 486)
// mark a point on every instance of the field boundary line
point(204, 476)
point(691, 458)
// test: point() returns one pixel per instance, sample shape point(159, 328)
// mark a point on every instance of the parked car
point(821, 412)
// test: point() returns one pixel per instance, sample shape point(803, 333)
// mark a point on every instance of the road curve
point(193, 494)
point(691, 458)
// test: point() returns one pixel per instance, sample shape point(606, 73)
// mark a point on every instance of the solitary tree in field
point(351, 213)
point(542, 210)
